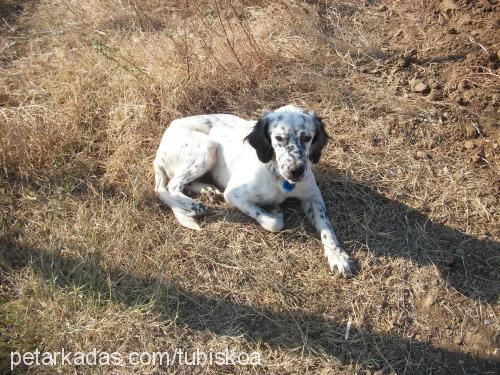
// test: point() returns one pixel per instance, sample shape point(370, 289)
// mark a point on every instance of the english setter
point(257, 164)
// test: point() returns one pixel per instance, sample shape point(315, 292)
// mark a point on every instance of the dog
point(256, 164)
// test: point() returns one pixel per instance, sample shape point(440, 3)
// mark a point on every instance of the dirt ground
point(89, 258)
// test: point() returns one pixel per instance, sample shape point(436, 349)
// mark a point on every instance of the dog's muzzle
point(297, 172)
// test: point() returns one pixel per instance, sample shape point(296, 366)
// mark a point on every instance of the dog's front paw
point(339, 261)
point(271, 223)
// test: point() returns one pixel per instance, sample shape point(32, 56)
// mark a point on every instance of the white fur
point(214, 145)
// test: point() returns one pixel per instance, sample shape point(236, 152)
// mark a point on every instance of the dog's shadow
point(312, 332)
point(365, 218)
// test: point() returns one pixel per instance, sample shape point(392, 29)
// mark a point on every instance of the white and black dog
point(257, 164)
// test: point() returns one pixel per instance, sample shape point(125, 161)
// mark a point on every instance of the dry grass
point(90, 259)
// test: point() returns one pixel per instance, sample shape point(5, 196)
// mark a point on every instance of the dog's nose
point(298, 171)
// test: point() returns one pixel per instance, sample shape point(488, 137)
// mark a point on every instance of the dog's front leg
point(239, 198)
point(315, 210)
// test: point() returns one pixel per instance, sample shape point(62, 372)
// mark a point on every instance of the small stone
point(460, 252)
point(469, 145)
point(464, 19)
point(449, 259)
point(383, 8)
point(448, 5)
point(420, 86)
point(457, 340)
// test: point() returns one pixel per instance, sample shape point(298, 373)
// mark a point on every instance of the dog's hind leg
point(186, 161)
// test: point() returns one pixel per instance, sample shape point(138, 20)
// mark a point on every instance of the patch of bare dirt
point(448, 53)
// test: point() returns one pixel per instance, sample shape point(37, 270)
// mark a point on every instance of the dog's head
point(291, 137)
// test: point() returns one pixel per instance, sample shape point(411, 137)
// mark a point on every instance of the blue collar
point(288, 186)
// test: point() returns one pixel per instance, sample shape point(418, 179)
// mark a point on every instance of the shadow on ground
point(389, 228)
point(222, 316)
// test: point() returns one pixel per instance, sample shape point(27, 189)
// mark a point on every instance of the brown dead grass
point(90, 259)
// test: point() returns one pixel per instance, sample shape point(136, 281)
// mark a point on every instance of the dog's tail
point(184, 208)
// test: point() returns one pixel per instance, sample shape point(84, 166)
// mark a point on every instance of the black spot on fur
point(198, 208)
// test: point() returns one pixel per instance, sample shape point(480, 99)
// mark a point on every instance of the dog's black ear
point(259, 139)
point(319, 141)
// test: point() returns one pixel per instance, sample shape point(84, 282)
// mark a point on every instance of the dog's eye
point(279, 138)
point(305, 138)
